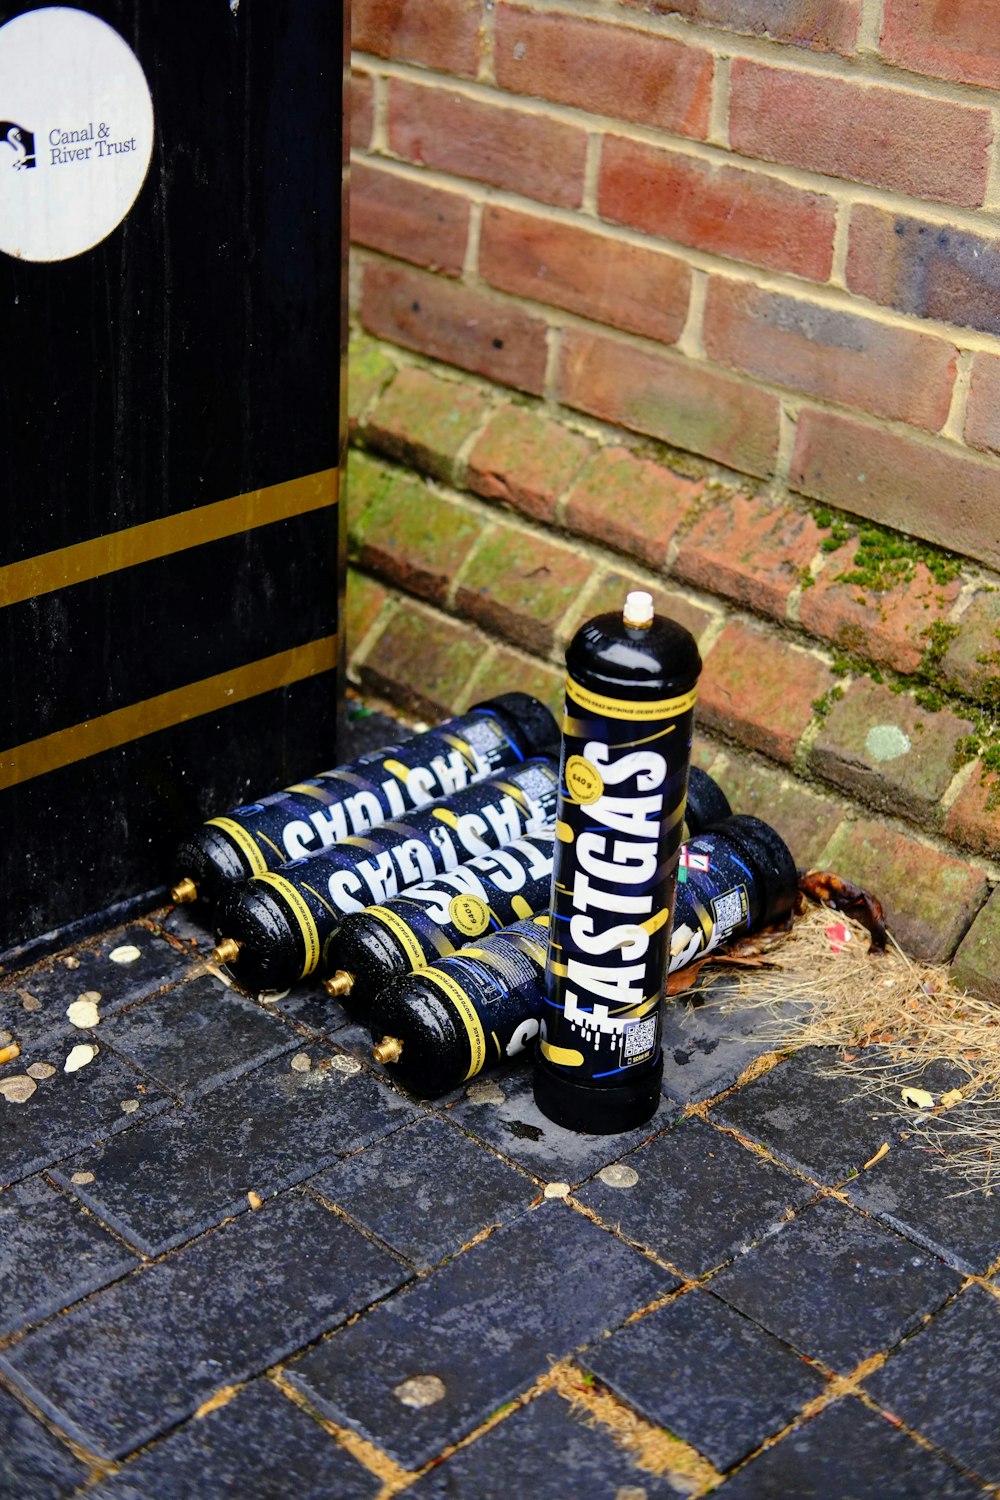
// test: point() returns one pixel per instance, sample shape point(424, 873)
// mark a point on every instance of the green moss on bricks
point(884, 558)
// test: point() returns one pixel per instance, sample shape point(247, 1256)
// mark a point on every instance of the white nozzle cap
point(638, 609)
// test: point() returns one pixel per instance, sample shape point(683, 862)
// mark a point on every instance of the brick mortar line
point(870, 26)
point(822, 294)
point(591, 172)
point(486, 70)
point(690, 340)
point(550, 377)
point(954, 423)
point(862, 69)
point(380, 114)
point(788, 416)
point(976, 576)
point(803, 178)
point(991, 198)
point(841, 245)
point(559, 318)
point(718, 130)
point(470, 260)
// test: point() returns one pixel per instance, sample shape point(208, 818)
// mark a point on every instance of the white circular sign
point(76, 132)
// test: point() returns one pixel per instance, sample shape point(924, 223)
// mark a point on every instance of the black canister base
point(593, 1109)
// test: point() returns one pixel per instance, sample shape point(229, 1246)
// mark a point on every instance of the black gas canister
point(439, 916)
point(442, 1025)
point(386, 783)
point(630, 695)
point(276, 928)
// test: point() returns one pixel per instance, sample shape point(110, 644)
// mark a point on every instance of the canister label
point(620, 815)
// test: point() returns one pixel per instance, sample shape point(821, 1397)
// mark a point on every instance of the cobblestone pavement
point(235, 1260)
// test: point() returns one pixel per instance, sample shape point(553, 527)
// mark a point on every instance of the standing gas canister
point(386, 783)
point(439, 916)
point(630, 694)
point(276, 928)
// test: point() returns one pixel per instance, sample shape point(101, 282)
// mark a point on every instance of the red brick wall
point(647, 287)
point(786, 207)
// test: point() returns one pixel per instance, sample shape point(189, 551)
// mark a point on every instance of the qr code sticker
point(730, 909)
point(640, 1038)
point(483, 736)
point(535, 781)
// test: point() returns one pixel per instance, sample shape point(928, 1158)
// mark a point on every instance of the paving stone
point(705, 1046)
point(534, 1452)
point(311, 1008)
point(836, 1285)
point(136, 1359)
point(500, 1110)
point(945, 1382)
point(426, 1190)
point(69, 1111)
point(709, 1376)
point(55, 984)
point(700, 1197)
point(819, 1124)
point(186, 925)
point(259, 1446)
point(848, 1451)
point(189, 1169)
point(51, 1254)
point(913, 1190)
point(198, 1035)
point(33, 1464)
point(486, 1324)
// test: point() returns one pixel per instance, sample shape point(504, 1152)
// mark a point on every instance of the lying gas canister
point(444, 1024)
point(275, 928)
point(437, 917)
point(386, 783)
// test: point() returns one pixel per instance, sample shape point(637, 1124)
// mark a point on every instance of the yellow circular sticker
point(469, 914)
point(583, 780)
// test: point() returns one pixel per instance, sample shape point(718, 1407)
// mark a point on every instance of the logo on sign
point(21, 143)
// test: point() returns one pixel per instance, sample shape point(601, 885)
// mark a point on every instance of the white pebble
point(301, 1062)
point(420, 1390)
point(127, 954)
point(82, 1178)
point(129, 1106)
point(84, 1012)
point(618, 1176)
point(40, 1070)
point(346, 1064)
point(19, 1089)
point(556, 1190)
point(80, 1057)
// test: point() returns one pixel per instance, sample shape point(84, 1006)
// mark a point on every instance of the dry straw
point(894, 1025)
